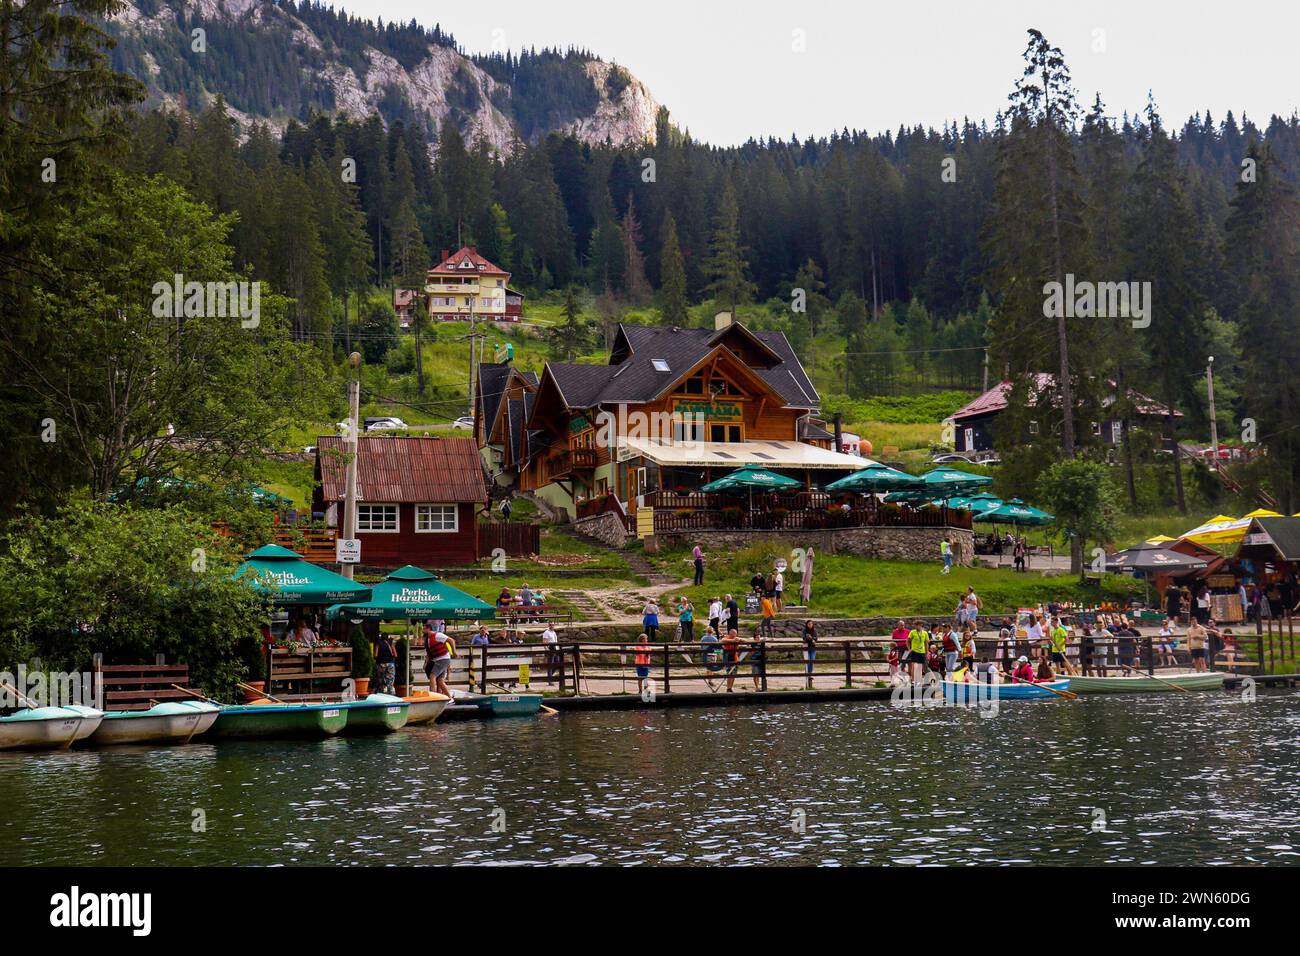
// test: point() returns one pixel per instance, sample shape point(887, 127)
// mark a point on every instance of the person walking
point(1058, 638)
point(686, 619)
point(809, 650)
point(715, 613)
point(641, 652)
point(1197, 637)
point(1173, 603)
point(733, 614)
point(973, 606)
point(385, 664)
point(945, 555)
point(778, 587)
point(505, 509)
point(918, 640)
point(551, 642)
point(757, 659)
point(439, 649)
point(731, 657)
point(698, 556)
point(951, 649)
point(650, 619)
point(1018, 554)
point(769, 616)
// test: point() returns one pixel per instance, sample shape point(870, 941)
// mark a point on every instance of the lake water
point(1206, 778)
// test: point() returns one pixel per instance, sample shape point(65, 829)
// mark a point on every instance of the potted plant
point(255, 663)
point(403, 666)
point(363, 661)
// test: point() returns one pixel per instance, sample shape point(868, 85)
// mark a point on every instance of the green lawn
point(854, 587)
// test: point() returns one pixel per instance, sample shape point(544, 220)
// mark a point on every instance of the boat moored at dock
point(1146, 684)
point(425, 707)
point(41, 728)
point(271, 719)
point(973, 690)
point(171, 722)
point(376, 714)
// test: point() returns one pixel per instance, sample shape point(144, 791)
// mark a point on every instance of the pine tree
point(672, 281)
point(635, 286)
point(726, 266)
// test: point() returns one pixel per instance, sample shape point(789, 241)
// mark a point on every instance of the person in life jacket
point(641, 650)
point(951, 649)
point(1024, 672)
point(918, 640)
point(968, 648)
point(1057, 637)
point(439, 650)
point(933, 659)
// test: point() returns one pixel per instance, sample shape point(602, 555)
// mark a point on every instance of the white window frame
point(455, 518)
point(363, 516)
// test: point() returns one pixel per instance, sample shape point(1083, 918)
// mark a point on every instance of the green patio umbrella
point(298, 581)
point(412, 592)
point(910, 497)
point(943, 482)
point(1015, 512)
point(876, 477)
point(751, 478)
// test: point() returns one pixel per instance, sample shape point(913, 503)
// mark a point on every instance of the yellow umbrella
point(1221, 529)
point(1262, 513)
point(1160, 539)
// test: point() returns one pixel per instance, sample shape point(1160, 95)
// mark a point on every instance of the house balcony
point(566, 462)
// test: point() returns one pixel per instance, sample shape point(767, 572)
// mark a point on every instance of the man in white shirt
point(780, 588)
point(551, 640)
point(715, 614)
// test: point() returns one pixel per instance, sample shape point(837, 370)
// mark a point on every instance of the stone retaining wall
point(607, 528)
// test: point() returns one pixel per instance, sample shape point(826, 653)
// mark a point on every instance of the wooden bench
point(140, 686)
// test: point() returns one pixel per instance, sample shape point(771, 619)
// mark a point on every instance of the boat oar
point(253, 690)
point(202, 697)
point(22, 698)
point(1162, 680)
point(1068, 695)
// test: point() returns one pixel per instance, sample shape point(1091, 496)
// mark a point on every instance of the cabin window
point(661, 365)
point(377, 518)
point(1033, 428)
point(725, 433)
point(436, 518)
point(688, 431)
point(1096, 428)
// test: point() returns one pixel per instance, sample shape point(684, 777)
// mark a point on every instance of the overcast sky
point(730, 69)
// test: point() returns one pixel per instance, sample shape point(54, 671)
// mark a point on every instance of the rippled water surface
point(1201, 778)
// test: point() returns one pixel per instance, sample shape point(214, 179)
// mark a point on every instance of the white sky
point(727, 71)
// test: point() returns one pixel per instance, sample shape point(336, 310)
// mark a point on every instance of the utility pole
point(1214, 421)
point(354, 422)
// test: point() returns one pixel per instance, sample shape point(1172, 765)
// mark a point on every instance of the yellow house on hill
point(465, 284)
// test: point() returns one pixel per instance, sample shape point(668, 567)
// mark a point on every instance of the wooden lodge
point(671, 410)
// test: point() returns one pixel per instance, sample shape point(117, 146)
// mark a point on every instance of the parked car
point(951, 459)
point(385, 423)
point(465, 421)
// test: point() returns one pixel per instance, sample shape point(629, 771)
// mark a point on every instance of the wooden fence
point(516, 538)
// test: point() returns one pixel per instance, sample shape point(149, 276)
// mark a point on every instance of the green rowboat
point(500, 705)
point(1209, 680)
point(376, 714)
point(280, 720)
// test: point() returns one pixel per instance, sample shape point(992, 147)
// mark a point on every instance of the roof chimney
point(444, 256)
point(721, 320)
point(839, 432)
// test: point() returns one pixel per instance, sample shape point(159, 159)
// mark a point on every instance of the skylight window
point(661, 365)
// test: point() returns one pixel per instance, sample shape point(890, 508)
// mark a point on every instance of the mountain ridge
point(275, 61)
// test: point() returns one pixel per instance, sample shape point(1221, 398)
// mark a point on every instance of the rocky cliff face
point(275, 62)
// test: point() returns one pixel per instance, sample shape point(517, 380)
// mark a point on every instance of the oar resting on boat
point(1162, 680)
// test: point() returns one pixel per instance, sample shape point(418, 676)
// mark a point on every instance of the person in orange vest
point(1024, 672)
point(642, 652)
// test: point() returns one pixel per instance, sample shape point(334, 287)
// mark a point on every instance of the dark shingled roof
point(635, 379)
point(492, 377)
point(812, 430)
point(396, 469)
point(1283, 532)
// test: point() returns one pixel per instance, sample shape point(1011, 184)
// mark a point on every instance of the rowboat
point(973, 691)
point(90, 720)
point(171, 722)
point(499, 705)
point(40, 728)
point(425, 707)
point(269, 719)
point(377, 714)
point(1142, 684)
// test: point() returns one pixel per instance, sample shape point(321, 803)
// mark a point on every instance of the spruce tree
point(672, 282)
